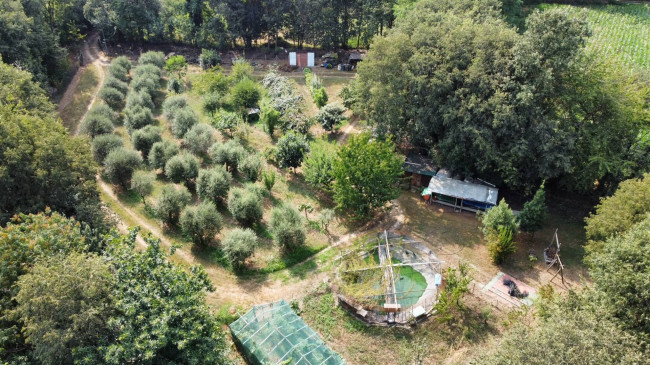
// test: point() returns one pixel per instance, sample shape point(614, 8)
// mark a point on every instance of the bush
point(161, 152)
point(176, 65)
point(199, 138)
point(137, 117)
point(119, 72)
point(143, 139)
point(251, 167)
point(211, 103)
point(213, 184)
point(238, 245)
point(154, 58)
point(122, 61)
point(147, 72)
point(270, 120)
point(245, 205)
point(212, 81)
point(325, 218)
point(141, 98)
point(330, 116)
point(103, 144)
point(229, 154)
point(95, 124)
point(144, 84)
point(226, 122)
point(290, 150)
point(501, 244)
point(119, 165)
point(201, 223)
point(319, 163)
point(320, 97)
point(101, 109)
point(241, 70)
point(498, 216)
point(142, 183)
point(182, 168)
point(182, 121)
point(170, 202)
point(268, 179)
point(113, 97)
point(209, 59)
point(115, 83)
point(172, 104)
point(287, 227)
point(174, 86)
point(245, 94)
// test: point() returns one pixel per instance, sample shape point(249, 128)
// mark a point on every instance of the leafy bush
point(501, 244)
point(161, 152)
point(141, 98)
point(320, 97)
point(174, 86)
point(319, 163)
point(119, 72)
point(142, 183)
point(245, 94)
point(498, 216)
point(330, 116)
point(144, 84)
point(245, 205)
point(176, 65)
point(348, 95)
point(290, 150)
point(287, 227)
point(213, 184)
point(154, 58)
point(226, 122)
point(101, 109)
point(199, 138)
point(212, 81)
point(238, 245)
point(229, 153)
point(147, 71)
point(268, 179)
point(325, 218)
point(270, 119)
point(182, 121)
point(95, 124)
point(115, 83)
point(532, 216)
point(241, 70)
point(119, 165)
point(170, 202)
point(182, 168)
point(201, 223)
point(209, 59)
point(122, 61)
point(283, 93)
point(211, 103)
point(113, 97)
point(103, 144)
point(172, 104)
point(137, 117)
point(143, 139)
point(251, 167)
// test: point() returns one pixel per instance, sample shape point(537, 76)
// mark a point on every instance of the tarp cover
point(463, 190)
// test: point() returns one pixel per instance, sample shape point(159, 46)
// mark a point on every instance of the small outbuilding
point(470, 194)
point(420, 169)
point(301, 59)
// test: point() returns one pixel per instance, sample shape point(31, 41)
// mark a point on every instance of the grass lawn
point(86, 88)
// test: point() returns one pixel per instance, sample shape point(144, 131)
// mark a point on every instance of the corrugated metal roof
point(463, 190)
point(418, 164)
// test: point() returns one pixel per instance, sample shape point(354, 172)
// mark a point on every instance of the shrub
point(238, 245)
point(137, 117)
point(270, 119)
point(176, 64)
point(119, 72)
point(212, 81)
point(290, 150)
point(501, 244)
point(251, 167)
point(182, 121)
point(209, 59)
point(498, 216)
point(325, 218)
point(147, 71)
point(142, 183)
point(199, 138)
point(95, 124)
point(119, 165)
point(287, 227)
point(213, 184)
point(115, 83)
point(241, 70)
point(103, 144)
point(172, 104)
point(182, 168)
point(348, 95)
point(113, 97)
point(154, 58)
point(245, 94)
point(245, 205)
point(123, 61)
point(161, 152)
point(319, 163)
point(330, 116)
point(141, 98)
point(143, 139)
point(268, 178)
point(226, 122)
point(211, 103)
point(320, 97)
point(170, 202)
point(174, 86)
point(201, 223)
point(229, 153)
point(144, 84)
point(532, 216)
point(103, 110)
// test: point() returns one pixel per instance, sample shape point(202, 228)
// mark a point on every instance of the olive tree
point(229, 154)
point(184, 119)
point(161, 152)
point(94, 125)
point(201, 223)
point(170, 202)
point(287, 227)
point(182, 168)
point(119, 165)
point(199, 138)
point(245, 205)
point(103, 144)
point(251, 167)
point(238, 245)
point(142, 183)
point(213, 184)
point(144, 138)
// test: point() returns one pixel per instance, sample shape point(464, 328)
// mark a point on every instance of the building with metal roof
point(461, 194)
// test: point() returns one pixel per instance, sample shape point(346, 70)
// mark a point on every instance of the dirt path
point(92, 57)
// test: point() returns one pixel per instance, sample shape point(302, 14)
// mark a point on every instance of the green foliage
point(532, 216)
point(199, 138)
point(144, 84)
point(122, 61)
point(139, 99)
point(320, 97)
point(209, 58)
point(238, 245)
point(366, 174)
point(316, 88)
point(18, 90)
point(117, 84)
point(213, 184)
point(348, 96)
point(113, 97)
point(245, 205)
point(119, 165)
point(501, 244)
point(103, 144)
point(211, 81)
point(144, 138)
point(619, 212)
point(137, 117)
point(211, 102)
point(170, 202)
point(161, 152)
point(450, 299)
point(182, 121)
point(64, 304)
point(245, 94)
point(182, 168)
point(95, 124)
point(142, 183)
point(172, 104)
point(291, 149)
point(118, 71)
point(174, 86)
point(287, 227)
point(241, 70)
point(152, 58)
point(176, 64)
point(498, 216)
point(226, 122)
point(270, 119)
point(103, 110)
point(229, 153)
point(251, 167)
point(318, 164)
point(326, 217)
point(268, 179)
point(330, 116)
point(201, 223)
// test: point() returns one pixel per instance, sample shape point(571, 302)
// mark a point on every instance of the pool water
point(409, 283)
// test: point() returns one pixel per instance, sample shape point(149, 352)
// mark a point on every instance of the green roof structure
point(274, 334)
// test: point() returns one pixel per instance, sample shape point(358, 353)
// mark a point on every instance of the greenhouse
point(274, 334)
